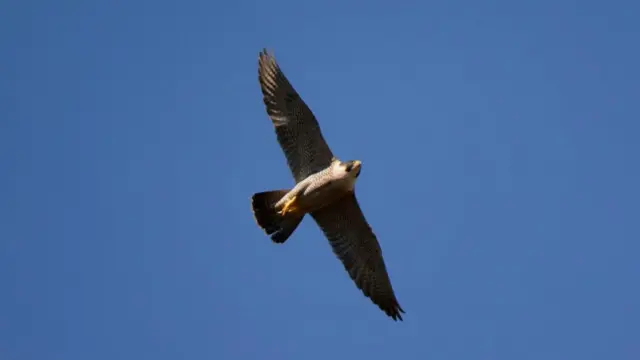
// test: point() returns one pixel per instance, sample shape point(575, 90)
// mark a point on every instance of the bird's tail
point(279, 227)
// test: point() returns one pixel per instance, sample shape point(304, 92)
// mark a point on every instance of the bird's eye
point(349, 167)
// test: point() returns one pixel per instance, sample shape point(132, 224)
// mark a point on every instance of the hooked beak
point(356, 167)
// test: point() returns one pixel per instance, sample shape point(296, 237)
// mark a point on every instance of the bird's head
point(352, 167)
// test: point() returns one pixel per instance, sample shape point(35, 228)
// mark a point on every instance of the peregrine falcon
point(324, 189)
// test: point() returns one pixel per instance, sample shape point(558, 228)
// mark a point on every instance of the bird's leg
point(288, 206)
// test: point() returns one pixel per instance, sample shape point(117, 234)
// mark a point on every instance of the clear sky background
point(501, 166)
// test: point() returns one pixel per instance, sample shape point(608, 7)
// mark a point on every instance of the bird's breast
point(323, 193)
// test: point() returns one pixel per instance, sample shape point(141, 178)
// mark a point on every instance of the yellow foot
point(289, 206)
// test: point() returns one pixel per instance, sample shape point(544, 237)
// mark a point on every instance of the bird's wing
point(355, 244)
point(296, 127)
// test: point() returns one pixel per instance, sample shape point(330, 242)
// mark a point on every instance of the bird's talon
point(288, 207)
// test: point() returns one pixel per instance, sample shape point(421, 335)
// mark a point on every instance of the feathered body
point(323, 187)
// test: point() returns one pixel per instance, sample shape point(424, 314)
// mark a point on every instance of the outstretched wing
point(355, 244)
point(296, 127)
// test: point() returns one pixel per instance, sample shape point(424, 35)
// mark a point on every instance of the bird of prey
point(324, 189)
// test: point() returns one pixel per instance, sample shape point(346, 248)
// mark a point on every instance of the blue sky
point(500, 149)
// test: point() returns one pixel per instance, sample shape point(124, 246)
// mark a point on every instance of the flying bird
point(324, 188)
